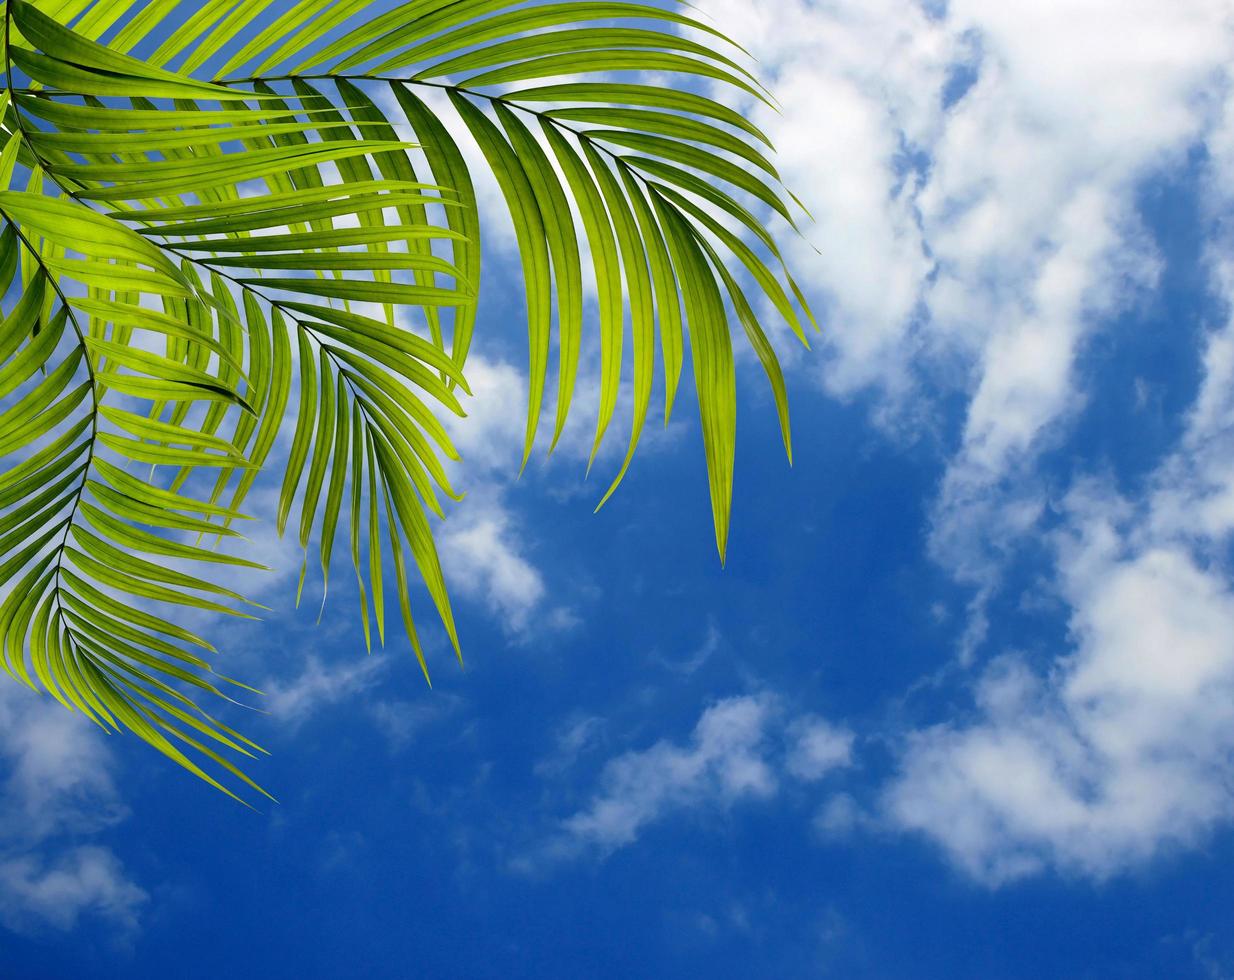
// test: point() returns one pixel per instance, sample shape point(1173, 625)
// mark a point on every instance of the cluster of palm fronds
point(188, 262)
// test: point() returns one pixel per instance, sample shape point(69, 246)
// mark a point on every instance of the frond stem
point(581, 136)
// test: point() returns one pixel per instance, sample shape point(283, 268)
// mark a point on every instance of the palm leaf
point(252, 225)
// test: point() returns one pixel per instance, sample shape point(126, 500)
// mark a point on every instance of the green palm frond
point(212, 229)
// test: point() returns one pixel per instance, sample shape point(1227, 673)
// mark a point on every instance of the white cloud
point(485, 548)
point(484, 559)
point(839, 817)
point(1122, 748)
point(816, 747)
point(739, 751)
point(579, 735)
point(974, 238)
point(973, 242)
point(57, 788)
point(856, 81)
point(974, 245)
point(1031, 212)
point(725, 762)
point(1122, 751)
point(83, 880)
point(321, 685)
point(490, 438)
point(401, 722)
point(59, 769)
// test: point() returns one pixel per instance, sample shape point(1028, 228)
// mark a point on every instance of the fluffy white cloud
point(83, 880)
point(816, 747)
point(1123, 748)
point(59, 773)
point(974, 167)
point(1031, 212)
point(857, 82)
point(740, 750)
point(1123, 751)
point(57, 787)
point(484, 559)
point(724, 762)
point(490, 438)
point(976, 215)
point(839, 817)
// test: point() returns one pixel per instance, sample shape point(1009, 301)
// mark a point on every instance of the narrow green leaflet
point(529, 226)
point(563, 252)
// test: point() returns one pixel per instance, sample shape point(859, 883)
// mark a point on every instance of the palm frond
point(231, 230)
point(91, 550)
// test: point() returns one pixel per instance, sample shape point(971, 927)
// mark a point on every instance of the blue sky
point(961, 704)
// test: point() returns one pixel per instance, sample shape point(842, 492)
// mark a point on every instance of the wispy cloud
point(700, 656)
point(576, 737)
point(402, 722)
point(740, 750)
point(323, 684)
point(319, 685)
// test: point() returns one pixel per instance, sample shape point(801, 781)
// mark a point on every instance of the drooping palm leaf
point(211, 227)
